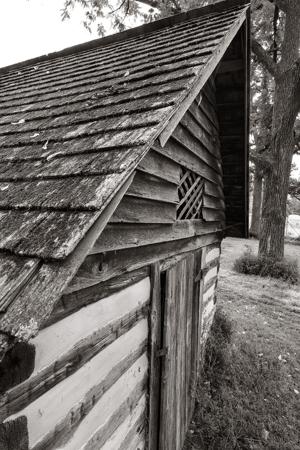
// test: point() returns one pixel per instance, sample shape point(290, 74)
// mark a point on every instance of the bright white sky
point(30, 28)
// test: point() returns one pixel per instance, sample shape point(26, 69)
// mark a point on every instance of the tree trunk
point(285, 110)
point(277, 179)
point(274, 208)
point(256, 204)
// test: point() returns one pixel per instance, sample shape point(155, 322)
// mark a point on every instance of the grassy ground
point(251, 400)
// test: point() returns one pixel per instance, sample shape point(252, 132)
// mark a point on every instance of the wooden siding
point(104, 344)
point(77, 298)
point(115, 263)
point(210, 270)
point(117, 237)
point(150, 198)
point(153, 197)
point(198, 280)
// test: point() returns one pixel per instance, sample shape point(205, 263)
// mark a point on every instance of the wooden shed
point(123, 163)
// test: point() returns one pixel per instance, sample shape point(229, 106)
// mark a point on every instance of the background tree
point(262, 90)
point(117, 10)
point(261, 120)
point(276, 50)
point(286, 106)
point(294, 189)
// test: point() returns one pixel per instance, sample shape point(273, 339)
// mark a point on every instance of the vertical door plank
point(181, 324)
point(190, 338)
point(155, 360)
point(200, 329)
point(168, 419)
point(195, 329)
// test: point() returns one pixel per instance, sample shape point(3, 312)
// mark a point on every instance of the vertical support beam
point(201, 291)
point(195, 329)
point(155, 327)
point(247, 62)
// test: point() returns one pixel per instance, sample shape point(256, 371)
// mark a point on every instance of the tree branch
point(152, 3)
point(177, 6)
point(264, 58)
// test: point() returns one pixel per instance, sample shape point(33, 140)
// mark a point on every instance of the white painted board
point(210, 274)
point(52, 408)
point(118, 437)
point(212, 254)
point(57, 339)
point(90, 429)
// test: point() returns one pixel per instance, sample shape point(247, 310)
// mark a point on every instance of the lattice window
point(190, 192)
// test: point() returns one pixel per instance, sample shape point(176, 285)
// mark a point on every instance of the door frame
point(157, 353)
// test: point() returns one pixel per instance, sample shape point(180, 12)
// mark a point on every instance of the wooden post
point(195, 330)
point(155, 360)
point(200, 329)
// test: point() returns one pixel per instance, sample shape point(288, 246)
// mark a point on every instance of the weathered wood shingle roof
point(73, 127)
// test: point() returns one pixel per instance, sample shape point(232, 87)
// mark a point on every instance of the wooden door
point(181, 321)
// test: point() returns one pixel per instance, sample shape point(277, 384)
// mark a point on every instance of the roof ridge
point(130, 33)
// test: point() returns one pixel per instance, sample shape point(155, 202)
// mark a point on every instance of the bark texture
point(262, 137)
point(256, 204)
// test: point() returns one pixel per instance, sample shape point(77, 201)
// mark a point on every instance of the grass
point(248, 397)
point(251, 264)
